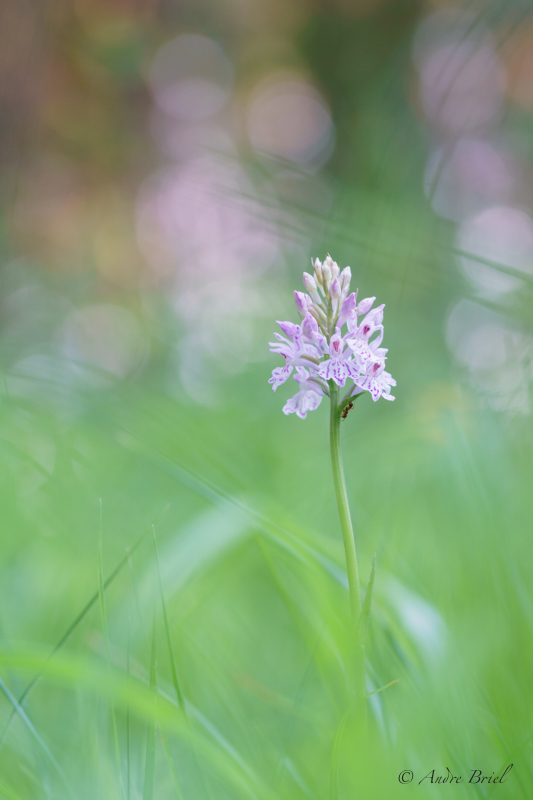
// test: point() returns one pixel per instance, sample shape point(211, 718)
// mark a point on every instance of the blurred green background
point(167, 170)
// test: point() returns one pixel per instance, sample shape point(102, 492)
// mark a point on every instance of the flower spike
point(323, 356)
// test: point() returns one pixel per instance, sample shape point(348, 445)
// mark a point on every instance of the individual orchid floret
point(336, 367)
point(370, 324)
point(347, 309)
point(374, 317)
point(291, 352)
point(310, 328)
point(377, 382)
point(308, 398)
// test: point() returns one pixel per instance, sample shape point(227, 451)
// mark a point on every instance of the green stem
point(342, 504)
point(356, 658)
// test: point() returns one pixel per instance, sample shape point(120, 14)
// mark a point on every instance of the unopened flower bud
point(335, 289)
point(318, 273)
point(345, 278)
point(326, 275)
point(332, 266)
point(310, 284)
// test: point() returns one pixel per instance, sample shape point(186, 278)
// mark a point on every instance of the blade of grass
point(175, 678)
point(334, 769)
point(17, 708)
point(504, 268)
point(9, 793)
point(144, 638)
point(82, 672)
point(151, 733)
point(302, 624)
point(128, 766)
point(382, 688)
point(103, 614)
point(171, 765)
point(83, 613)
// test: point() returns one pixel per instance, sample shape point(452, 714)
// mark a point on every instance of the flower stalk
point(342, 504)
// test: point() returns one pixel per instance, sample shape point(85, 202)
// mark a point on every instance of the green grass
point(215, 666)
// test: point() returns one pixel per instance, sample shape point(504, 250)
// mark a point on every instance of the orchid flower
point(325, 360)
point(333, 358)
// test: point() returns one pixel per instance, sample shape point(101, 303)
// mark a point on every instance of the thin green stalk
point(342, 504)
point(101, 592)
point(151, 734)
point(356, 659)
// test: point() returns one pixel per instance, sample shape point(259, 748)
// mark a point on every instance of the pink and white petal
point(291, 405)
point(347, 309)
point(279, 376)
point(361, 350)
point(326, 370)
point(310, 327)
point(353, 370)
point(310, 402)
point(340, 372)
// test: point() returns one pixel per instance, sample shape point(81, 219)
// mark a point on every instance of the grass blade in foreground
point(151, 733)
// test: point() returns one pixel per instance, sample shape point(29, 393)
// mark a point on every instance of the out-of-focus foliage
point(167, 171)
